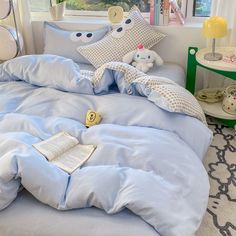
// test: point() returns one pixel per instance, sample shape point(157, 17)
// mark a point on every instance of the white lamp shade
point(5, 9)
point(9, 46)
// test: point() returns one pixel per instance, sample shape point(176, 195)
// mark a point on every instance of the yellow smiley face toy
point(92, 118)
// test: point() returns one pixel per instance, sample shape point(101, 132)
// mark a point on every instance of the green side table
point(196, 58)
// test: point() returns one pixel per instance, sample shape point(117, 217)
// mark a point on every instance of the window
point(194, 10)
point(103, 5)
point(202, 8)
point(39, 6)
point(197, 10)
point(91, 5)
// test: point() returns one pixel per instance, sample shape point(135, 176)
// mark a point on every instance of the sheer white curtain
point(26, 26)
point(226, 9)
point(23, 19)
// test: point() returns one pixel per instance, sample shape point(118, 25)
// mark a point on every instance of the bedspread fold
point(163, 92)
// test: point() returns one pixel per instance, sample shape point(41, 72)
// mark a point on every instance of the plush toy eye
point(128, 21)
point(137, 55)
point(87, 37)
point(118, 33)
point(75, 36)
point(128, 24)
point(149, 57)
point(119, 29)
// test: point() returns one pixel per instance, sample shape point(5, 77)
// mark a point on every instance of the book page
point(56, 145)
point(74, 158)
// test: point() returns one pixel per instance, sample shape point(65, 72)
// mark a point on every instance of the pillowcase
point(64, 42)
point(120, 41)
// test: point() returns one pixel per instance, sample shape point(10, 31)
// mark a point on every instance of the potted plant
point(57, 9)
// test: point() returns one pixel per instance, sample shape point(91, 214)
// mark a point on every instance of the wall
point(172, 49)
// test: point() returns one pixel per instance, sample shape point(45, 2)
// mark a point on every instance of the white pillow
point(120, 41)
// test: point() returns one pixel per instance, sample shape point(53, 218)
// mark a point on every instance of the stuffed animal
point(92, 118)
point(142, 58)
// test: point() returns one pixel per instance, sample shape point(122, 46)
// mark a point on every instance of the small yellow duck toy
point(92, 118)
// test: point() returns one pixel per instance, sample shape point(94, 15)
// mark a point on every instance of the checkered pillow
point(122, 40)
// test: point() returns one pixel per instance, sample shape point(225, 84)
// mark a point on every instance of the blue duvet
point(147, 159)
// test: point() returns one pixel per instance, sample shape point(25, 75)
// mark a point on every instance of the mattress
point(28, 217)
point(169, 70)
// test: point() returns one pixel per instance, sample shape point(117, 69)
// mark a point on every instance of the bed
point(146, 173)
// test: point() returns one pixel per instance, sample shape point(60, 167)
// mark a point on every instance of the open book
point(65, 151)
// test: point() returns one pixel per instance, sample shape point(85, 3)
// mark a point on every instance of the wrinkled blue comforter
point(147, 160)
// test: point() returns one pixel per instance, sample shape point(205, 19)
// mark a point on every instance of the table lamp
point(213, 28)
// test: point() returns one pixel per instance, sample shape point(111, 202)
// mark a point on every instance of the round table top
point(215, 110)
point(221, 64)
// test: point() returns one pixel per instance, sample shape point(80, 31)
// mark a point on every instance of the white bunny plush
point(142, 58)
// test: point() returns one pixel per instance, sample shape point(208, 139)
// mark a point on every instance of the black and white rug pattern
point(220, 162)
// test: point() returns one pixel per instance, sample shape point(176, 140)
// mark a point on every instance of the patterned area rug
point(220, 162)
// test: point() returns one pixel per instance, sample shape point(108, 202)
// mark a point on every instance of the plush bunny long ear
point(158, 59)
point(128, 58)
